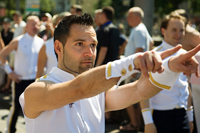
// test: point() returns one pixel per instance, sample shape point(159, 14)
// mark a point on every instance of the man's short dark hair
point(109, 12)
point(62, 31)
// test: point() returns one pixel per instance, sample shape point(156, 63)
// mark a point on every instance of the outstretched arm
point(41, 96)
point(142, 89)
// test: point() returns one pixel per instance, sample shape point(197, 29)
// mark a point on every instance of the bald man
point(27, 47)
point(139, 41)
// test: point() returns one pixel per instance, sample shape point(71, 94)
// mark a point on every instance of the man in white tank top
point(73, 97)
point(26, 48)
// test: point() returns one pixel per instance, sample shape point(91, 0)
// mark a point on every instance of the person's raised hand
point(152, 61)
point(185, 63)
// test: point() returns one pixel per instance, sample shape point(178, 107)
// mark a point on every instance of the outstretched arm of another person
point(42, 60)
point(147, 116)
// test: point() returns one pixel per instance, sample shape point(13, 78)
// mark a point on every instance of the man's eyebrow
point(83, 40)
point(77, 40)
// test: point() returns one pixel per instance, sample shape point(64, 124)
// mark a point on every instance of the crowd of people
point(66, 76)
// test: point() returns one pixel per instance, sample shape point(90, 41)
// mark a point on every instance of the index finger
point(192, 52)
point(169, 52)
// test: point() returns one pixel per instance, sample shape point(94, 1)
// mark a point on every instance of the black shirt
point(6, 37)
point(108, 36)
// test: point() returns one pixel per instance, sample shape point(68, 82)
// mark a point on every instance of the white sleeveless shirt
point(26, 56)
point(83, 116)
point(51, 56)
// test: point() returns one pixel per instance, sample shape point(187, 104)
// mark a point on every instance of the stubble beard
point(80, 68)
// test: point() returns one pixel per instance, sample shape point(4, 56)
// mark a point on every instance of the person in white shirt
point(26, 48)
point(19, 24)
point(47, 58)
point(74, 96)
point(139, 41)
point(172, 109)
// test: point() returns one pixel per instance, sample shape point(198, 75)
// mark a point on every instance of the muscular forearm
point(129, 94)
point(94, 82)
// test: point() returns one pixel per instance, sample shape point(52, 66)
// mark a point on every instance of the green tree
point(102, 3)
point(11, 6)
point(47, 6)
point(120, 8)
point(165, 7)
point(195, 6)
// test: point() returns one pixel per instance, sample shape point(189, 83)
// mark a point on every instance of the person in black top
point(108, 38)
point(7, 36)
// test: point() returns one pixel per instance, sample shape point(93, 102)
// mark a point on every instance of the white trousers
point(196, 103)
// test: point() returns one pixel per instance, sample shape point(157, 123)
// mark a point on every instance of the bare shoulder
point(43, 49)
point(14, 43)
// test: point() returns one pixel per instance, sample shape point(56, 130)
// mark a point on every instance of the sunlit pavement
point(3, 116)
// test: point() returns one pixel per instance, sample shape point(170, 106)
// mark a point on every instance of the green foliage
point(120, 9)
point(46, 6)
point(167, 6)
point(102, 3)
point(11, 6)
point(195, 5)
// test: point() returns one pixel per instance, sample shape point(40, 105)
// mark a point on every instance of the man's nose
point(89, 51)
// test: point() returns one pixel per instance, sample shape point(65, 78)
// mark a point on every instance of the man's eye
point(93, 45)
point(79, 44)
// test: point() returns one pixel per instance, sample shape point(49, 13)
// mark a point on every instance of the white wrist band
point(190, 114)
point(166, 79)
point(147, 116)
point(7, 68)
point(121, 68)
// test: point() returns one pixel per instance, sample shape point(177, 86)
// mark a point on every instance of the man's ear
point(58, 47)
point(163, 31)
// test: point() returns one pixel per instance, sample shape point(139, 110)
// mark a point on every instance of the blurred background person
point(139, 41)
point(46, 29)
point(172, 107)
point(192, 36)
point(76, 9)
point(47, 58)
point(2, 72)
point(7, 36)
point(19, 29)
point(19, 24)
point(26, 48)
point(97, 18)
